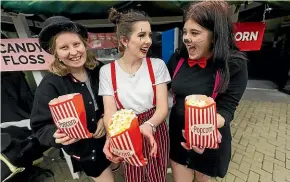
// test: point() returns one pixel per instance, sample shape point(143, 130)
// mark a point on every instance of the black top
point(53, 86)
point(196, 80)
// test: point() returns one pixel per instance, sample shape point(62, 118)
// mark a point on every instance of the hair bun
point(114, 15)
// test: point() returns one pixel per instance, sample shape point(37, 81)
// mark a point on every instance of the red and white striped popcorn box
point(69, 115)
point(128, 145)
point(201, 122)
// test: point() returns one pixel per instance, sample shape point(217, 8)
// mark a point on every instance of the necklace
point(126, 70)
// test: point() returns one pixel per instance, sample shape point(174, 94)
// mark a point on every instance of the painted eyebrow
point(144, 32)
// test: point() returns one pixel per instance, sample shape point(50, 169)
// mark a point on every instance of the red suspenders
point(152, 78)
point(114, 81)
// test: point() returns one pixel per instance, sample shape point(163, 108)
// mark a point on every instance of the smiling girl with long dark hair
point(208, 51)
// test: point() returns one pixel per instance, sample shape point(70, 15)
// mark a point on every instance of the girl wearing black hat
point(208, 58)
point(74, 70)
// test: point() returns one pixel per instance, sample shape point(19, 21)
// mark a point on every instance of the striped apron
point(156, 169)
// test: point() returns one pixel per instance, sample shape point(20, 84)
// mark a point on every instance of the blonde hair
point(59, 68)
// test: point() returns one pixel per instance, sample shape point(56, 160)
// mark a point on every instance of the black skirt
point(213, 162)
point(89, 157)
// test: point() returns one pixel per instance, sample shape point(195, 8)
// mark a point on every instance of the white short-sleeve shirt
point(134, 92)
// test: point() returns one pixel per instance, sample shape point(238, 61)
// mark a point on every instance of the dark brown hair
point(215, 17)
point(125, 21)
point(60, 69)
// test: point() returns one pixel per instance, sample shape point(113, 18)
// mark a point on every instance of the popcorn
point(126, 140)
point(198, 100)
point(197, 103)
point(201, 121)
point(121, 121)
point(69, 115)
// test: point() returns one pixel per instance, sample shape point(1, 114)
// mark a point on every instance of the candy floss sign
point(249, 35)
point(23, 55)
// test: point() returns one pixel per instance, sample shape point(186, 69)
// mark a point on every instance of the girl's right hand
point(109, 155)
point(63, 138)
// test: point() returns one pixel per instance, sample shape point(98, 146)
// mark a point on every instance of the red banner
point(249, 35)
point(102, 40)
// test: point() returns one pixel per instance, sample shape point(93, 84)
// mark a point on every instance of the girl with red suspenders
point(138, 83)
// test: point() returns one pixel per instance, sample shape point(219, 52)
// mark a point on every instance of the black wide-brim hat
point(56, 24)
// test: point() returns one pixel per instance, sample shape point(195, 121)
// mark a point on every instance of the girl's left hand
point(197, 149)
point(146, 131)
point(101, 130)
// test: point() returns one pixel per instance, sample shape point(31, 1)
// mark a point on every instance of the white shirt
point(134, 92)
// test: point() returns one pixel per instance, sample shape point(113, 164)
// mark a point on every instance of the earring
point(60, 60)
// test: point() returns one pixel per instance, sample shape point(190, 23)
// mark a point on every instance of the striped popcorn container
point(201, 122)
point(69, 115)
point(128, 144)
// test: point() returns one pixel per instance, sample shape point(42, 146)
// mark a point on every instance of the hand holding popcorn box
point(69, 115)
point(201, 122)
point(126, 140)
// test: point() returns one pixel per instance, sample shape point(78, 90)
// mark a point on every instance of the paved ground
point(261, 142)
